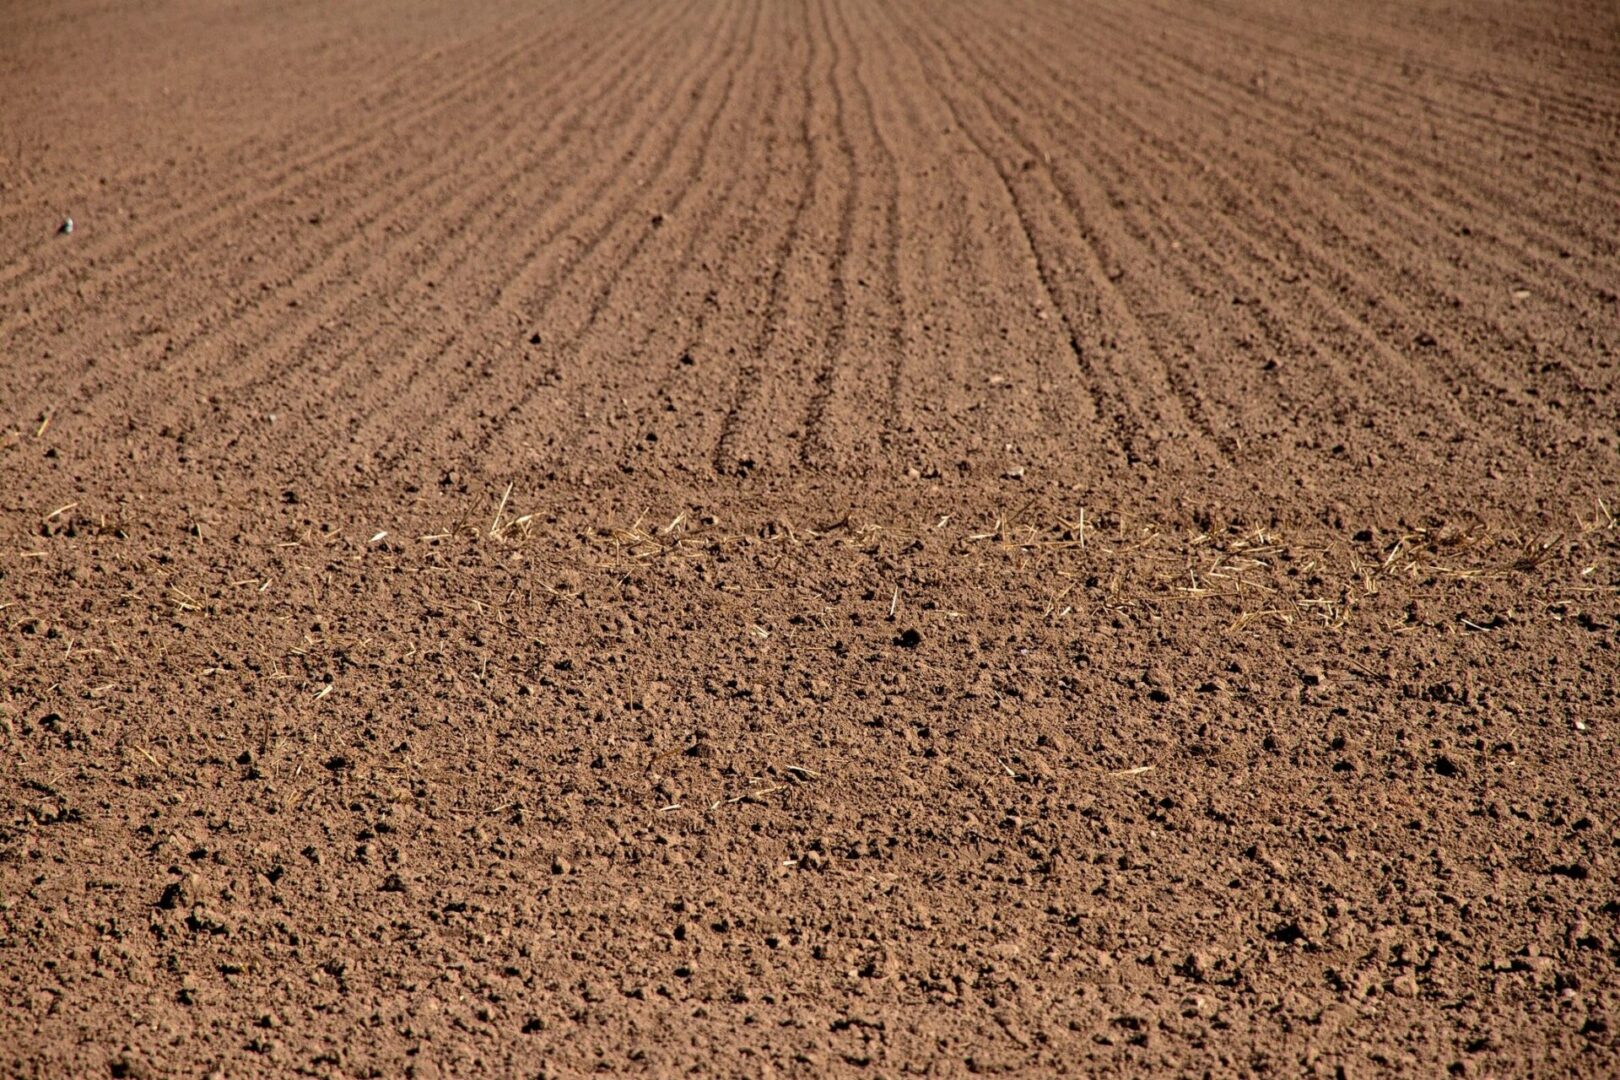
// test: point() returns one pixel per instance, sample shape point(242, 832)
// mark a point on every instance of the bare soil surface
point(809, 537)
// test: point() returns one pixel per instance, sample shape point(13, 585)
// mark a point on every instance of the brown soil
point(781, 538)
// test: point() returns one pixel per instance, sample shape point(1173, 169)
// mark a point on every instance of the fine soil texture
point(809, 537)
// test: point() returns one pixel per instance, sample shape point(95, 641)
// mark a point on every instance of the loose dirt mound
point(803, 536)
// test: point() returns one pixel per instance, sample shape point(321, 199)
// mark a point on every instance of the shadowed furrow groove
point(813, 446)
point(750, 372)
point(894, 292)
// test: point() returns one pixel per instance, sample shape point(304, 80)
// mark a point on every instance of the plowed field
point(809, 537)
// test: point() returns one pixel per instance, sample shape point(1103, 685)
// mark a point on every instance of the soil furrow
point(1207, 225)
point(1096, 319)
point(1346, 119)
point(549, 300)
point(1544, 252)
point(734, 453)
point(655, 376)
point(249, 294)
point(466, 229)
point(828, 351)
point(562, 349)
point(990, 377)
point(886, 315)
point(1537, 99)
point(328, 295)
point(1115, 242)
point(1420, 281)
